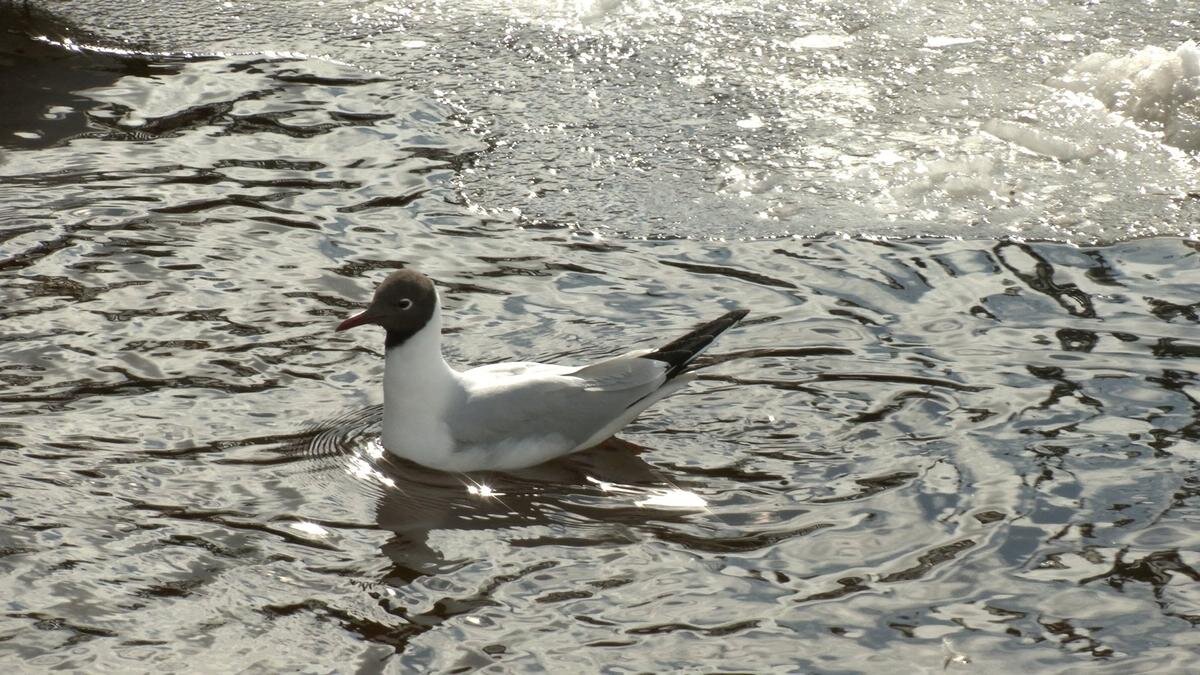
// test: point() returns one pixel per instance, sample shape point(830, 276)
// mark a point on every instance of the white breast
point(419, 389)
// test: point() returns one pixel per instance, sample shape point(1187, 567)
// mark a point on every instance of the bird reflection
point(605, 486)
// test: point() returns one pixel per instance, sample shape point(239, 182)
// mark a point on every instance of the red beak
point(356, 320)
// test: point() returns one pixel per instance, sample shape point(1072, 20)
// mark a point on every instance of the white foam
point(961, 177)
point(820, 41)
point(943, 41)
point(752, 122)
point(1038, 141)
point(1155, 87)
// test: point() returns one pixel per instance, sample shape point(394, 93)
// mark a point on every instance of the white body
point(512, 415)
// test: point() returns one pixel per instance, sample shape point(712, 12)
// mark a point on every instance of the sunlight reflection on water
point(919, 451)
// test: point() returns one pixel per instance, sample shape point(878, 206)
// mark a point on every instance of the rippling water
point(949, 454)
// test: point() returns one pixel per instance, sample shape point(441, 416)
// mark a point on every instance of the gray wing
point(574, 404)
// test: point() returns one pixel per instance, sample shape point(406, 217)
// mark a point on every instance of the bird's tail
point(677, 354)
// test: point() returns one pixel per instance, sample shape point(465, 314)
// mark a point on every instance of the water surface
point(945, 453)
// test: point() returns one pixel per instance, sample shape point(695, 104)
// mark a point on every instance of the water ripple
point(942, 451)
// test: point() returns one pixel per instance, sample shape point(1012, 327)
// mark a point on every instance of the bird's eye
point(404, 303)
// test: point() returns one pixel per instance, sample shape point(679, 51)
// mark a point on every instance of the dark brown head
point(403, 304)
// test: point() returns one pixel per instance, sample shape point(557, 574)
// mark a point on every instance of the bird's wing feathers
point(620, 373)
point(508, 402)
point(574, 405)
point(517, 369)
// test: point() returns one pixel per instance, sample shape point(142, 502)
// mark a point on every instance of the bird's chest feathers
point(416, 428)
point(419, 392)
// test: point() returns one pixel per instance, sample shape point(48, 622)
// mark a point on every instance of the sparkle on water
point(975, 451)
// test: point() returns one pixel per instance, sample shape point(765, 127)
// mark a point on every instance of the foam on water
point(731, 119)
point(927, 452)
point(1155, 87)
point(1037, 141)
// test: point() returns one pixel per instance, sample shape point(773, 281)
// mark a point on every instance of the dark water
point(946, 454)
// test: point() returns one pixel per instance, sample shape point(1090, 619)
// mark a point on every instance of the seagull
point(507, 416)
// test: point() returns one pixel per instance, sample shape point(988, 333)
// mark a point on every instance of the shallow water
point(949, 454)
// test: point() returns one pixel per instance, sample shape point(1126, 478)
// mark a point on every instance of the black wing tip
point(678, 353)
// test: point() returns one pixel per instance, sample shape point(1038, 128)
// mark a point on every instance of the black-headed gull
point(507, 415)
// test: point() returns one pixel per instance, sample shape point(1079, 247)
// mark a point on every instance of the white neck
point(418, 388)
point(417, 361)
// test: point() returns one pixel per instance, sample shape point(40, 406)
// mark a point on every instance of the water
point(974, 453)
